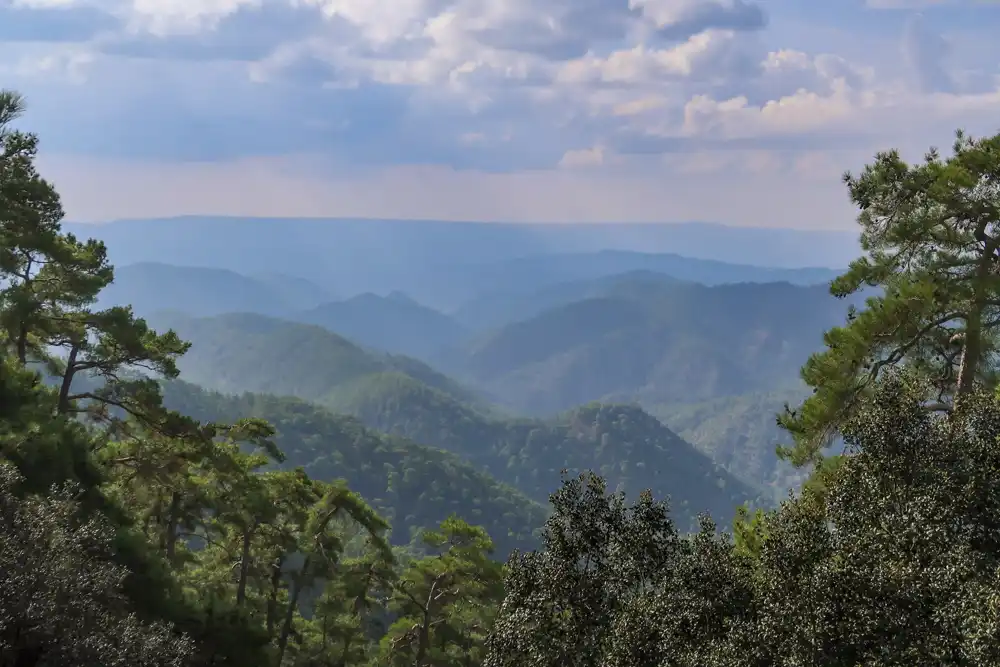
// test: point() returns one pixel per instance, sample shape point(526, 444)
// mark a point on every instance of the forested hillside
point(238, 353)
point(628, 447)
point(739, 433)
point(410, 485)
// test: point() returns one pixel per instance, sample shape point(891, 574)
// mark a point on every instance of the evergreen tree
point(931, 237)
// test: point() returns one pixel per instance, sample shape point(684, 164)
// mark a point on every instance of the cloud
point(485, 94)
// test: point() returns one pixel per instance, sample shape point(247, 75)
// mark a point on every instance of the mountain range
point(715, 362)
point(446, 264)
point(493, 376)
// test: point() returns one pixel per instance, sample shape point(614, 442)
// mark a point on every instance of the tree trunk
point(170, 532)
point(22, 334)
point(241, 587)
point(968, 366)
point(424, 638)
point(972, 343)
point(272, 598)
point(293, 601)
point(67, 380)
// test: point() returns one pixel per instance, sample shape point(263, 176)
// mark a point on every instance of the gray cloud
point(566, 32)
point(705, 15)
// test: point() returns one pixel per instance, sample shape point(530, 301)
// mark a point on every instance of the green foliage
point(444, 603)
point(896, 566)
point(563, 605)
point(931, 240)
point(62, 598)
point(749, 532)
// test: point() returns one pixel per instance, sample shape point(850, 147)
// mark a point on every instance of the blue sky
point(725, 110)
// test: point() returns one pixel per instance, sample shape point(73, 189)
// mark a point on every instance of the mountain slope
point(151, 287)
point(297, 293)
point(248, 352)
point(680, 342)
point(413, 486)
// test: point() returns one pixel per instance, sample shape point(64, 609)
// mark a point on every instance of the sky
point(735, 111)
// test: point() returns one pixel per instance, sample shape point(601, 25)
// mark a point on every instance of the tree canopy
point(931, 239)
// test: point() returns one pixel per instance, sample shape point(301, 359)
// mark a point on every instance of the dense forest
point(147, 521)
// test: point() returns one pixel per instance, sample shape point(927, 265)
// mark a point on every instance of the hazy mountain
point(492, 310)
point(438, 262)
point(663, 343)
point(249, 352)
point(395, 323)
point(150, 287)
point(529, 273)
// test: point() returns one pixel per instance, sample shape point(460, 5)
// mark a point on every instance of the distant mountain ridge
point(150, 287)
point(437, 262)
point(656, 343)
point(546, 269)
point(491, 310)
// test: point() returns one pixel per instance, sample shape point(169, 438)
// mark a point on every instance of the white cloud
point(566, 91)
point(173, 17)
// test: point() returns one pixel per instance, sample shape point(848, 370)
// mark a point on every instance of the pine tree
point(931, 238)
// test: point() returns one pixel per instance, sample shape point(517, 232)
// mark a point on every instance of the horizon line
point(502, 223)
